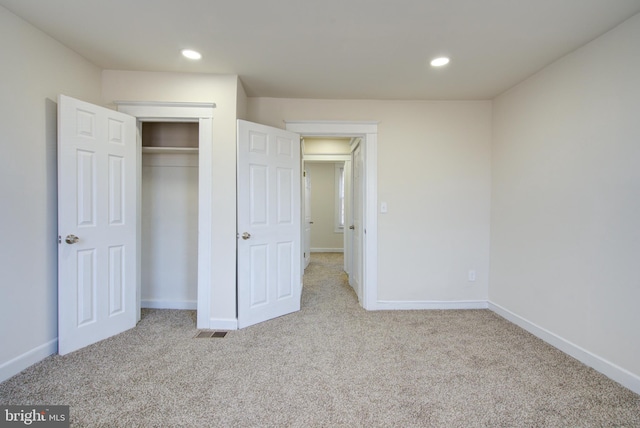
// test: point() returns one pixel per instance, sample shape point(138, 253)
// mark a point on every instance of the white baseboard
point(327, 250)
point(29, 358)
point(607, 368)
point(429, 305)
point(223, 324)
point(169, 304)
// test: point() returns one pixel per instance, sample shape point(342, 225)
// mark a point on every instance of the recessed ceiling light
point(191, 54)
point(439, 62)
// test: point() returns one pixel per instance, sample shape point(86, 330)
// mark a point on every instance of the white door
point(97, 161)
point(307, 218)
point(357, 231)
point(348, 216)
point(269, 271)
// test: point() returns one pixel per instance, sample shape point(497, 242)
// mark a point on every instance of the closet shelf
point(171, 150)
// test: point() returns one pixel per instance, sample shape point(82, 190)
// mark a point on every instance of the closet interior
point(169, 215)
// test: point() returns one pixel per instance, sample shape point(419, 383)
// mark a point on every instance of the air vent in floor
point(208, 334)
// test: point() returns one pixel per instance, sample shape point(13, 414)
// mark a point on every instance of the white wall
point(434, 174)
point(35, 69)
point(565, 239)
point(241, 101)
point(323, 202)
point(223, 91)
point(327, 146)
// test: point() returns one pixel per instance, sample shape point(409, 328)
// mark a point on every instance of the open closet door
point(96, 223)
point(269, 271)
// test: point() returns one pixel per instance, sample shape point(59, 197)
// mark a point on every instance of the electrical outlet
point(472, 276)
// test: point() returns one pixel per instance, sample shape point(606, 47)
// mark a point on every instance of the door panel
point(87, 286)
point(269, 278)
point(116, 280)
point(97, 204)
point(116, 190)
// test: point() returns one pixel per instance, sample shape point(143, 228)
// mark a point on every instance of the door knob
point(71, 239)
point(352, 227)
point(246, 235)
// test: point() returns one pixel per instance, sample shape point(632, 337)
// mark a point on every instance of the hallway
point(326, 284)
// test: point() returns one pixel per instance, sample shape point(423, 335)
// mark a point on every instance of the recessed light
point(439, 62)
point(191, 54)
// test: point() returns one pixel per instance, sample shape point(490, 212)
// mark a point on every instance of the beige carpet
point(330, 365)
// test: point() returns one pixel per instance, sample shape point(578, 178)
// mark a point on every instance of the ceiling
point(343, 49)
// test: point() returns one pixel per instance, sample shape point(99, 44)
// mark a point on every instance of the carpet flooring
point(330, 365)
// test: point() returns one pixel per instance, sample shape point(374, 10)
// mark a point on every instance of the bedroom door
point(357, 227)
point(269, 271)
point(307, 218)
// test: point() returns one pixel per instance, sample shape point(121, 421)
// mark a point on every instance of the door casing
point(183, 112)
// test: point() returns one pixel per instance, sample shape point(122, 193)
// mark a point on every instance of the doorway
point(327, 193)
point(368, 133)
point(325, 210)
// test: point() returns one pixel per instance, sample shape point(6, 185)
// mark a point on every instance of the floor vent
point(208, 334)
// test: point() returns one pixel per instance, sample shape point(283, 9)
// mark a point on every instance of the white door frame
point(368, 131)
point(184, 112)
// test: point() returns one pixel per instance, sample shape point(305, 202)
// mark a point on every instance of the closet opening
point(169, 215)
